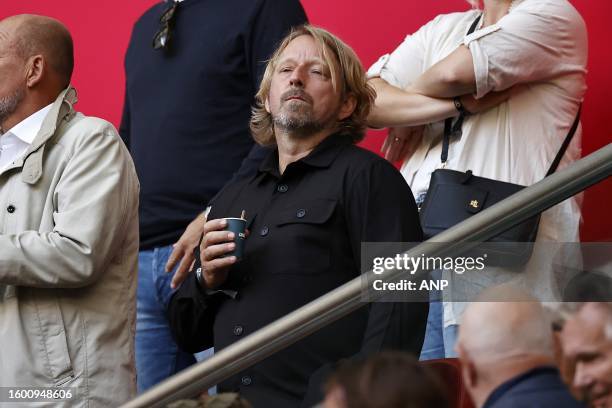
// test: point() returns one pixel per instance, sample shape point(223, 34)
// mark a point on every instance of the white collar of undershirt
point(27, 129)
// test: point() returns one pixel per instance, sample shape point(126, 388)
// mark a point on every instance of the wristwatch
point(459, 106)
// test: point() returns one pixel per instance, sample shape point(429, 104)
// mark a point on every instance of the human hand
point(183, 250)
point(490, 100)
point(402, 142)
point(216, 242)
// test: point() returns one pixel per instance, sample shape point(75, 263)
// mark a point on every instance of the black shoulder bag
point(453, 196)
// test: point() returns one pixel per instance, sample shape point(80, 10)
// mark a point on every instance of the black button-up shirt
point(307, 226)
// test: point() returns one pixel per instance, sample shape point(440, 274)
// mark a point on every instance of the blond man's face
point(302, 95)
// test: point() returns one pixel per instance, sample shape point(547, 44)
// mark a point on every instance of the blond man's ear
point(348, 107)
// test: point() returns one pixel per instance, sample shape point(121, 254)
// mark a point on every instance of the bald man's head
point(503, 334)
point(492, 331)
point(31, 35)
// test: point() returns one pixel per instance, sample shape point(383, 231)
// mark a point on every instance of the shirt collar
point(27, 129)
point(322, 155)
point(511, 383)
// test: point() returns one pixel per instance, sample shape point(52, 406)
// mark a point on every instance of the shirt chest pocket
point(304, 233)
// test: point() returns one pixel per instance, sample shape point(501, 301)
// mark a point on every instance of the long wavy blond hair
point(344, 66)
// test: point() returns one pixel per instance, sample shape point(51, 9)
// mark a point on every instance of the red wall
point(101, 31)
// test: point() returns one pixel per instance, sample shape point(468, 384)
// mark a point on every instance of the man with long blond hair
point(315, 199)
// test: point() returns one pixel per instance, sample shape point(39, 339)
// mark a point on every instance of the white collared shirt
point(15, 142)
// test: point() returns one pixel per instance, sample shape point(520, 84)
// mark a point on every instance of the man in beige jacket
point(68, 232)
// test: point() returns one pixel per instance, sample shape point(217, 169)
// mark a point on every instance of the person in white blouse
point(541, 43)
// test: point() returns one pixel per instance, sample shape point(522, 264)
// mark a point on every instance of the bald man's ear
point(36, 67)
point(470, 374)
point(468, 369)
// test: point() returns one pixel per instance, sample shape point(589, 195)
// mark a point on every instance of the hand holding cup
point(222, 246)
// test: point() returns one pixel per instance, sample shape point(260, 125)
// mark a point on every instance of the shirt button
point(10, 208)
point(264, 231)
point(282, 188)
point(246, 380)
point(301, 213)
point(238, 330)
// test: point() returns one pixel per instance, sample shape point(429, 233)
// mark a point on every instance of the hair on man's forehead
point(321, 54)
point(293, 60)
point(325, 56)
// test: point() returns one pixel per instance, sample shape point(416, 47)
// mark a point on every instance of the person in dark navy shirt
point(314, 200)
point(506, 349)
point(539, 387)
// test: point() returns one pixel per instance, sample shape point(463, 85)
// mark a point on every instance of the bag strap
point(566, 142)
point(474, 25)
point(449, 128)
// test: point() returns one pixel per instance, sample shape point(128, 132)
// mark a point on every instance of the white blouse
point(539, 43)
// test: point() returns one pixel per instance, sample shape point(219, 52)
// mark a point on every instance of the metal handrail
point(347, 298)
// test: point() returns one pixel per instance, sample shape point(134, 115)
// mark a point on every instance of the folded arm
point(396, 107)
point(450, 77)
point(403, 107)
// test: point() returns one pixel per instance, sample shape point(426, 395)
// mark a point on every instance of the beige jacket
point(68, 263)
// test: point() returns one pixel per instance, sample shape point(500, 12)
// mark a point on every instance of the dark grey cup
point(238, 227)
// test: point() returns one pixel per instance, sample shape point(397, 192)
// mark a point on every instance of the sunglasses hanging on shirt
point(163, 36)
